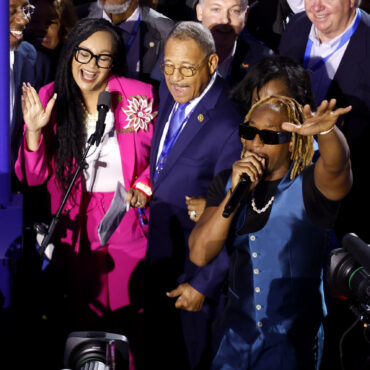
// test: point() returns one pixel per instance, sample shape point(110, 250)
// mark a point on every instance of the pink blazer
point(34, 167)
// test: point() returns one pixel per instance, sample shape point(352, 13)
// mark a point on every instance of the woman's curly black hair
point(276, 67)
point(70, 132)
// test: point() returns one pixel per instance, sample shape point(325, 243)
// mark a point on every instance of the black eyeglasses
point(84, 56)
point(266, 136)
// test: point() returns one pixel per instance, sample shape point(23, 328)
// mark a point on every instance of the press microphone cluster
point(104, 102)
point(237, 195)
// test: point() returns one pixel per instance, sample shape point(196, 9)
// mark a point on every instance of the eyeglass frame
point(275, 137)
point(193, 69)
point(30, 11)
point(92, 55)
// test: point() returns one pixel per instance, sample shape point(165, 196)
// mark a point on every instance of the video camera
point(349, 274)
point(96, 350)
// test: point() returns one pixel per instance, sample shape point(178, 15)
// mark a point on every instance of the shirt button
point(254, 255)
point(253, 238)
point(258, 307)
point(256, 271)
point(258, 289)
point(259, 324)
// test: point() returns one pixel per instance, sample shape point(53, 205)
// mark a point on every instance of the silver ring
point(193, 214)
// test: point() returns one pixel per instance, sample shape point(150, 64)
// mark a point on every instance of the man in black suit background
point(332, 40)
point(236, 48)
point(143, 29)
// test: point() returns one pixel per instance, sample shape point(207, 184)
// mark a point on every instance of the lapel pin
point(200, 118)
point(151, 44)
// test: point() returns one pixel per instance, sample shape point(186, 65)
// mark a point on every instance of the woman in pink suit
point(58, 121)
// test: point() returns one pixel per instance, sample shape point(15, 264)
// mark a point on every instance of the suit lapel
point(126, 140)
point(198, 119)
point(346, 74)
point(164, 111)
point(149, 43)
point(241, 52)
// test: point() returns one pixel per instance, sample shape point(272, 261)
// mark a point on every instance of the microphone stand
point(94, 138)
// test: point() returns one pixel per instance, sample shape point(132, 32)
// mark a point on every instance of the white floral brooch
point(138, 113)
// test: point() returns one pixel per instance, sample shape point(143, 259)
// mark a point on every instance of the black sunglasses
point(266, 136)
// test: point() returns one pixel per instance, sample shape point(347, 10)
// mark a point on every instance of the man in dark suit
point(345, 76)
point(339, 32)
point(22, 67)
point(236, 48)
point(187, 152)
point(26, 65)
point(143, 29)
point(267, 20)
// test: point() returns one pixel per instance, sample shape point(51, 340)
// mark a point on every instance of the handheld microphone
point(237, 195)
point(358, 248)
point(104, 102)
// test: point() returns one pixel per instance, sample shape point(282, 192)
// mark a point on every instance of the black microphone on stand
point(237, 195)
point(104, 101)
point(46, 232)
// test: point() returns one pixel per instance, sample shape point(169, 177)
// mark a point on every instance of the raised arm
point(333, 175)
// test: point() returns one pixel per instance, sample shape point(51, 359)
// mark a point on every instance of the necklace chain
point(255, 209)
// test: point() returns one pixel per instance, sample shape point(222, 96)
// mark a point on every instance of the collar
point(193, 103)
point(129, 23)
point(331, 43)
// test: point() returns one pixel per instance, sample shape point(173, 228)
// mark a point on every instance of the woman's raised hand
point(34, 115)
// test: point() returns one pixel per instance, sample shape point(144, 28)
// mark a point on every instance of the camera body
point(96, 350)
point(348, 274)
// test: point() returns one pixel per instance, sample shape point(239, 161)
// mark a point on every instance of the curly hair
point(70, 132)
point(276, 67)
point(302, 146)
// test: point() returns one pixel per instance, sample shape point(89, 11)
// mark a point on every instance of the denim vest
point(275, 277)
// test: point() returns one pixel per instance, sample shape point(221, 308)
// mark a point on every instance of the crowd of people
point(202, 96)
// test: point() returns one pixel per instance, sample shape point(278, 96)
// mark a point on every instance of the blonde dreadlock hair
point(302, 146)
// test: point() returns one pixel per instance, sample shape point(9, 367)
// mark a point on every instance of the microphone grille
point(104, 99)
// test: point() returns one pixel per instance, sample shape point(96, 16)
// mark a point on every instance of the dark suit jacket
point(208, 144)
point(154, 28)
point(350, 86)
point(248, 52)
point(267, 20)
point(24, 71)
point(29, 66)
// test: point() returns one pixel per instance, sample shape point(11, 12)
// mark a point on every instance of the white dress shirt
point(105, 165)
point(323, 76)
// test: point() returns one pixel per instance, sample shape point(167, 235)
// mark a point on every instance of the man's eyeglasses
point(27, 10)
point(84, 56)
point(185, 71)
point(266, 136)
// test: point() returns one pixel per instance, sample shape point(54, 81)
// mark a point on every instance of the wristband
point(327, 131)
point(145, 189)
